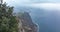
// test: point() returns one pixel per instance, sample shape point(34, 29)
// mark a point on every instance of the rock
point(26, 24)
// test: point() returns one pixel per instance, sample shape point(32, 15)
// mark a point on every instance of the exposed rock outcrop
point(26, 24)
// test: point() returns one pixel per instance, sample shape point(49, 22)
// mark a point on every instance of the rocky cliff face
point(26, 24)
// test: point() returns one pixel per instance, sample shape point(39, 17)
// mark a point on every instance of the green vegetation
point(8, 22)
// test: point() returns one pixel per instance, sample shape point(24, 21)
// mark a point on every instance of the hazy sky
point(35, 3)
point(32, 1)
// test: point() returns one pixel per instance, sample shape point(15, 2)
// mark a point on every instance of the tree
point(8, 22)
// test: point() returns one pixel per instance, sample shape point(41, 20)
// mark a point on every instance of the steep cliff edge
point(26, 24)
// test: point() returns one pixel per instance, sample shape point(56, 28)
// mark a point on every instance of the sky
point(35, 3)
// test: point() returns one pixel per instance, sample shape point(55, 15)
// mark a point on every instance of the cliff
point(25, 23)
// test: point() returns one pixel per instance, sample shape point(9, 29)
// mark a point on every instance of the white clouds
point(30, 1)
point(46, 5)
point(50, 5)
point(33, 4)
point(50, 1)
point(21, 1)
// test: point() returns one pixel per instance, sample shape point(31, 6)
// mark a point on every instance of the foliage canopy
point(8, 22)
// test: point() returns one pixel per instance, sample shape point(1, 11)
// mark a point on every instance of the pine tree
point(8, 22)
